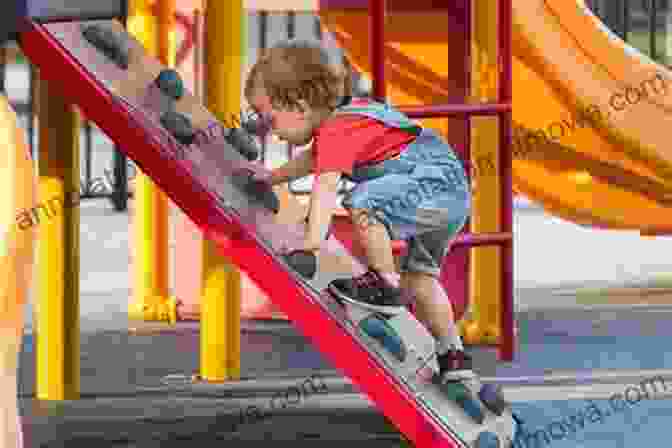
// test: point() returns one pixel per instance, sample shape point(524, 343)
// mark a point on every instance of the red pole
point(457, 263)
point(188, 42)
point(507, 347)
point(166, 21)
point(377, 48)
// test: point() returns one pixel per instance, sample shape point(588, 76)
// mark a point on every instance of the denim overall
point(422, 195)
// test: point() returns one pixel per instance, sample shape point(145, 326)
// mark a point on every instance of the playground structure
point(641, 158)
point(118, 84)
point(57, 326)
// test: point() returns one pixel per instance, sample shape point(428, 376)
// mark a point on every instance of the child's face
point(292, 126)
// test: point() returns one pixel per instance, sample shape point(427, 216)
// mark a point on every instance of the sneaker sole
point(458, 375)
point(384, 309)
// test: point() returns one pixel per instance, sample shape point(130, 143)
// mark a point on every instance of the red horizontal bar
point(482, 239)
point(392, 5)
point(451, 110)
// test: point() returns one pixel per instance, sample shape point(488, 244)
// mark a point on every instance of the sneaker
point(455, 365)
point(369, 291)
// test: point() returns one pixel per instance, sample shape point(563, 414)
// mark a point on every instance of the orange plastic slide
point(18, 188)
point(17, 193)
point(589, 111)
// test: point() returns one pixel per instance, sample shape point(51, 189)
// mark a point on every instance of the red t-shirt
point(349, 141)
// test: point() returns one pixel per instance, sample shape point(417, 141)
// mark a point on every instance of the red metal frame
point(234, 239)
point(502, 109)
point(455, 110)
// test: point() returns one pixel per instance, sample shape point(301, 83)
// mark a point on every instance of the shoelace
point(366, 280)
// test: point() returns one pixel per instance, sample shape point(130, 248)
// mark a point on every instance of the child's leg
point(378, 288)
point(375, 238)
point(421, 268)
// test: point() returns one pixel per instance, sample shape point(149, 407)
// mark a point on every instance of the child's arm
point(299, 166)
point(323, 201)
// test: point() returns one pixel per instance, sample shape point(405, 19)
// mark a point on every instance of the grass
point(662, 280)
point(657, 289)
point(640, 40)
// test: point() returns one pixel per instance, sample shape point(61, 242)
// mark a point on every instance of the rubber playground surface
point(571, 359)
point(133, 391)
point(134, 388)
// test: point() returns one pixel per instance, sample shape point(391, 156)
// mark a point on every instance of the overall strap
point(381, 112)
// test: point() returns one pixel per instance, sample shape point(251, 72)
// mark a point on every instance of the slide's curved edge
point(621, 60)
point(610, 170)
point(550, 48)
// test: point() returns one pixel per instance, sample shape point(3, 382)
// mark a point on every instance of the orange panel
point(614, 173)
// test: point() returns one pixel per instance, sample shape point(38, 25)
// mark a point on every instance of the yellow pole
point(57, 215)
point(151, 300)
point(483, 325)
point(220, 300)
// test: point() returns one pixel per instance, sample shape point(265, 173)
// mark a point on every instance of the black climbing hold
point(256, 190)
point(170, 82)
point(179, 126)
point(303, 262)
point(107, 42)
point(256, 126)
point(243, 143)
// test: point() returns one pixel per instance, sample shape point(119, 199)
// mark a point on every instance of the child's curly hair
point(300, 69)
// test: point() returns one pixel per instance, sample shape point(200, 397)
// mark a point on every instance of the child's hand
point(305, 246)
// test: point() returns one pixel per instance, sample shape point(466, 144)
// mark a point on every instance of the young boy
point(410, 185)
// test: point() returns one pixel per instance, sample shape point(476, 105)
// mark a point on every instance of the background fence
point(645, 24)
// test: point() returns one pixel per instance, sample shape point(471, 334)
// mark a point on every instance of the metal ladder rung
point(452, 110)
